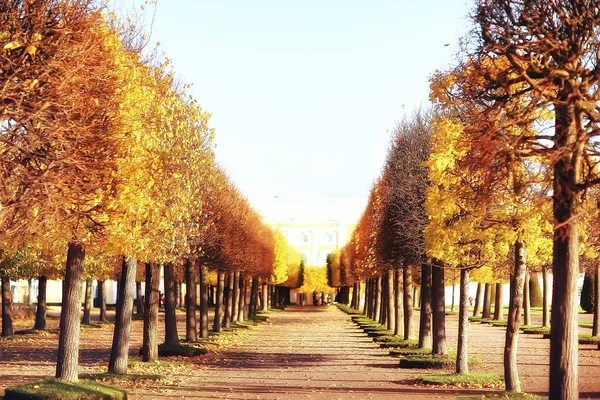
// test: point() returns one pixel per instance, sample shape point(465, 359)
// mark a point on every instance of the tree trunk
point(120, 344)
point(171, 336)
point(253, 298)
point(438, 309)
point(242, 299)
point(247, 286)
point(498, 303)
point(462, 354)
point(70, 315)
point(546, 300)
point(398, 303)
point(526, 301)
point(408, 300)
point(565, 257)
point(229, 299)
point(235, 303)
point(487, 301)
point(217, 322)
point(204, 301)
point(40, 314)
point(596, 321)
point(139, 301)
point(265, 297)
point(150, 343)
point(377, 292)
point(7, 320)
point(190, 302)
point(391, 301)
point(87, 304)
point(383, 303)
point(517, 283)
point(425, 320)
point(367, 306)
point(478, 299)
point(102, 300)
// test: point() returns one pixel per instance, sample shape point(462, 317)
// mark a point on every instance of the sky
point(304, 94)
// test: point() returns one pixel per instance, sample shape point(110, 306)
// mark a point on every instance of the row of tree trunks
point(218, 320)
point(102, 300)
point(139, 303)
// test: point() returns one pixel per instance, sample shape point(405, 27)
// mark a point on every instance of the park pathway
point(304, 352)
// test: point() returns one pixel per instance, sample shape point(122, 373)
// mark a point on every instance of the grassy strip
point(55, 389)
point(348, 309)
point(457, 379)
point(585, 338)
point(503, 396)
point(167, 350)
point(106, 376)
point(409, 351)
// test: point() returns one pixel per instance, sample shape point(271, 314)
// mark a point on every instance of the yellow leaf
point(12, 45)
point(31, 49)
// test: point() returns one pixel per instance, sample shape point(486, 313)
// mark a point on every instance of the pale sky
point(303, 94)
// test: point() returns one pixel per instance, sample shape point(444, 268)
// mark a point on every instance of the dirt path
point(300, 353)
point(304, 352)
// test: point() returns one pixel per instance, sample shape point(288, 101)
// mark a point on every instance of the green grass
point(55, 389)
point(536, 330)
point(106, 376)
point(348, 309)
point(585, 338)
point(426, 361)
point(503, 396)
point(586, 324)
point(397, 343)
point(499, 322)
point(408, 351)
point(454, 379)
point(165, 350)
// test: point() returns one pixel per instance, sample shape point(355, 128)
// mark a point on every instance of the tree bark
point(526, 301)
point(596, 321)
point(171, 336)
point(70, 315)
point(242, 300)
point(229, 299)
point(253, 298)
point(425, 320)
point(246, 298)
point(546, 300)
point(367, 306)
point(102, 300)
point(438, 308)
point(139, 301)
point(408, 300)
point(377, 292)
point(7, 320)
point(391, 301)
point(487, 301)
point(565, 257)
point(398, 303)
point(517, 283)
point(265, 297)
point(383, 303)
point(217, 322)
point(235, 303)
point(204, 301)
point(40, 314)
point(462, 354)
point(191, 335)
point(120, 344)
point(498, 303)
point(87, 304)
point(478, 299)
point(150, 342)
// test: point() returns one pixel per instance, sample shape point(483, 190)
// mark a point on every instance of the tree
point(549, 64)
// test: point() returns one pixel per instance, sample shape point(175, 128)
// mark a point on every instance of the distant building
point(314, 239)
